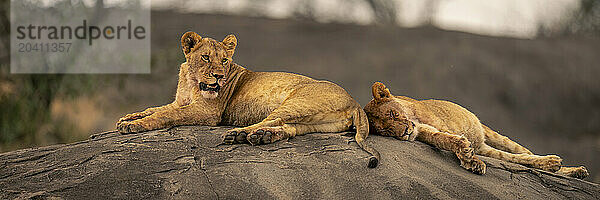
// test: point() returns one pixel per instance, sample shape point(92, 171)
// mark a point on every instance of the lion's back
point(259, 94)
point(454, 118)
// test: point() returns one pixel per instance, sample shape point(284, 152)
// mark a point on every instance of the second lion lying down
point(451, 127)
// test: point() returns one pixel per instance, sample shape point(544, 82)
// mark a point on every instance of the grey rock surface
point(189, 163)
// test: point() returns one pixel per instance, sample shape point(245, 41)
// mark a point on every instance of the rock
point(189, 163)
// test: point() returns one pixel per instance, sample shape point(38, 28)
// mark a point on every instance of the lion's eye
point(224, 61)
point(393, 115)
point(205, 58)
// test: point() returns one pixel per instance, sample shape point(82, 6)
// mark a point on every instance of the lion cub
point(451, 127)
point(271, 106)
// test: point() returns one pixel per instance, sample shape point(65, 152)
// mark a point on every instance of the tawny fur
point(451, 127)
point(271, 106)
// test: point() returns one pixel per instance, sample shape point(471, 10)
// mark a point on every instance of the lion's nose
point(218, 76)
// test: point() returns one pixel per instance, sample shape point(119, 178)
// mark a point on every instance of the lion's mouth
point(215, 87)
point(406, 133)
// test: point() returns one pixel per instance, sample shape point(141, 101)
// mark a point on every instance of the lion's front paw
point(265, 135)
point(235, 136)
point(549, 163)
point(130, 127)
point(475, 165)
point(133, 116)
point(466, 153)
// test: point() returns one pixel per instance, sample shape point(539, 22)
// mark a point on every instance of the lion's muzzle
point(215, 87)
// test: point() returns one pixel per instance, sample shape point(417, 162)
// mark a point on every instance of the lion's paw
point(578, 172)
point(549, 163)
point(475, 165)
point(265, 135)
point(133, 116)
point(466, 153)
point(235, 136)
point(131, 127)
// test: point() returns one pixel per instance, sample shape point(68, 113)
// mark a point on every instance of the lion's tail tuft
point(361, 123)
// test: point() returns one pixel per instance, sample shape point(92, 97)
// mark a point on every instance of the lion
point(267, 106)
point(451, 127)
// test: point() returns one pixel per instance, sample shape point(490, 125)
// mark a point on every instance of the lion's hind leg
point(267, 135)
point(272, 130)
point(240, 135)
point(549, 163)
point(312, 107)
point(502, 142)
point(503, 148)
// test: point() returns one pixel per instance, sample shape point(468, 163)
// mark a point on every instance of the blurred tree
point(586, 19)
point(4, 29)
point(26, 99)
point(384, 11)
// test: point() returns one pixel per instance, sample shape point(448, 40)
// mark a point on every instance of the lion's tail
point(359, 119)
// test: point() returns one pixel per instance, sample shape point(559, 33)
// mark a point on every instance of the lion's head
point(208, 61)
point(386, 116)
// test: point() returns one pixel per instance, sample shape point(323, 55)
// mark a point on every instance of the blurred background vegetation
point(538, 87)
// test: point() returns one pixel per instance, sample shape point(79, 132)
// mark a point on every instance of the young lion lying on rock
point(451, 127)
point(213, 90)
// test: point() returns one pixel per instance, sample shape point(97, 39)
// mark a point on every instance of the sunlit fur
point(449, 126)
point(270, 106)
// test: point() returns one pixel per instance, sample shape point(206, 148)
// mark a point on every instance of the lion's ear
point(188, 41)
point(230, 43)
point(380, 91)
